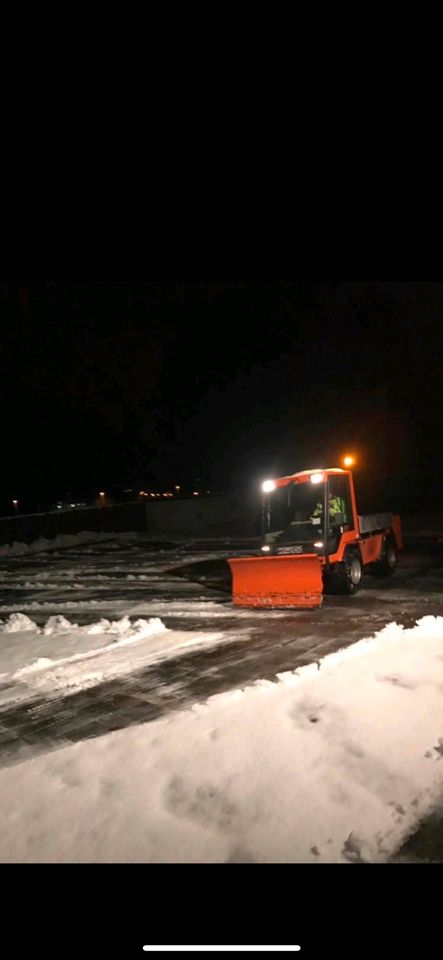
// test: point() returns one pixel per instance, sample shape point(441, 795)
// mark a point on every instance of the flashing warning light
point(348, 461)
point(268, 486)
point(317, 477)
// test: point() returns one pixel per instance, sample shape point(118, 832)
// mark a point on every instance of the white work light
point(268, 486)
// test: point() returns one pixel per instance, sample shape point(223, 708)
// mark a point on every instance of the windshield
point(294, 512)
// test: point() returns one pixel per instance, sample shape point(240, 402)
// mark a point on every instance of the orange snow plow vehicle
point(313, 541)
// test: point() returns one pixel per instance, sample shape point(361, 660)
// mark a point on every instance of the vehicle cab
point(311, 512)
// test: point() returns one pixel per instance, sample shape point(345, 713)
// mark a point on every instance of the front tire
point(348, 575)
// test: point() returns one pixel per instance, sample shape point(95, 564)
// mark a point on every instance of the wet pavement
point(175, 583)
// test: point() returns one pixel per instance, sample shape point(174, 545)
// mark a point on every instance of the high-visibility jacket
point(336, 505)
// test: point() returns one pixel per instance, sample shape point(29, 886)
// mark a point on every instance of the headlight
point(268, 486)
point(266, 549)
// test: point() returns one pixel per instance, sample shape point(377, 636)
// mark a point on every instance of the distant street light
point(15, 504)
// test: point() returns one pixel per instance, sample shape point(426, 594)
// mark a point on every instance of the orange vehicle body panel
point(346, 538)
point(370, 548)
point(285, 581)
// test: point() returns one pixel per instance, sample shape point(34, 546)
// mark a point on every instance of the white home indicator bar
point(223, 949)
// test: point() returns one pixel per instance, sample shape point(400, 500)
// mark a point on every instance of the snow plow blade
point(282, 581)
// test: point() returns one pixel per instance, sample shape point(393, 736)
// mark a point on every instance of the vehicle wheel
point(348, 574)
point(387, 563)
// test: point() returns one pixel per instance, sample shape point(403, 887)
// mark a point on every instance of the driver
point(336, 506)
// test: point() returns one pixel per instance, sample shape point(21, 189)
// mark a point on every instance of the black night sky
point(156, 383)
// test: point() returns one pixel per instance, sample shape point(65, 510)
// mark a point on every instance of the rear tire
point(347, 576)
point(387, 563)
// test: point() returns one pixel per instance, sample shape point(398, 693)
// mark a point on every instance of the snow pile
point(58, 655)
point(55, 624)
point(19, 623)
point(123, 631)
point(33, 648)
point(335, 762)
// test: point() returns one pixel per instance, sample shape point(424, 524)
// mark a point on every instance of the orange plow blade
point(285, 581)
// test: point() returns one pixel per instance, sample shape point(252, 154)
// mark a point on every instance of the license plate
point(297, 549)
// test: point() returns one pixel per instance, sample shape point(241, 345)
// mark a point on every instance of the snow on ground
point(63, 655)
point(68, 657)
point(335, 762)
point(154, 607)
